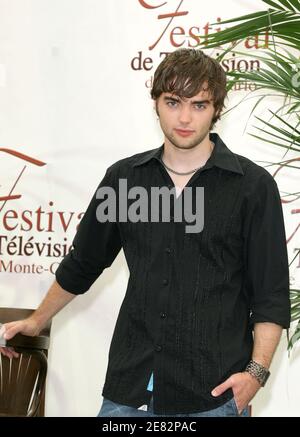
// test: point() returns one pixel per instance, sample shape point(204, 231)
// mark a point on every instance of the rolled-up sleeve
point(95, 246)
point(265, 255)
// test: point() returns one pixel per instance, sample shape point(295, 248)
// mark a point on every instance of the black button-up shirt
point(192, 298)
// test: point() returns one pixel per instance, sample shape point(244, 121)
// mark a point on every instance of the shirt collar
point(221, 156)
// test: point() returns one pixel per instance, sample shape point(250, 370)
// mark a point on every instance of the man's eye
point(200, 106)
point(172, 103)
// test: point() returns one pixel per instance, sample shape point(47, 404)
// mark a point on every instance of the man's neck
point(184, 160)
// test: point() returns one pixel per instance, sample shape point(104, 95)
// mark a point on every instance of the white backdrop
point(73, 98)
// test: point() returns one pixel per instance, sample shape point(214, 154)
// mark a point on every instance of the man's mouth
point(184, 132)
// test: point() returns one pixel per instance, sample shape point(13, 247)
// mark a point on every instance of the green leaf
point(296, 4)
point(273, 4)
point(287, 136)
point(272, 134)
point(295, 337)
point(295, 257)
point(287, 5)
point(286, 123)
point(294, 107)
point(273, 142)
point(281, 164)
point(251, 25)
point(242, 18)
point(252, 110)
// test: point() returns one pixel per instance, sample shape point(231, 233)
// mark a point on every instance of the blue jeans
point(111, 409)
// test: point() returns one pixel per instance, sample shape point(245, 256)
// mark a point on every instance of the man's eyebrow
point(173, 99)
point(177, 99)
point(198, 102)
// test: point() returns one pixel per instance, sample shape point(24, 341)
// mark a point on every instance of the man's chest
point(213, 197)
point(179, 181)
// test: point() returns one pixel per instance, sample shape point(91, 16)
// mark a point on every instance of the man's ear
point(217, 114)
point(155, 107)
point(215, 118)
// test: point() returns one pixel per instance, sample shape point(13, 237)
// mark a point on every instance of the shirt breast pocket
point(218, 247)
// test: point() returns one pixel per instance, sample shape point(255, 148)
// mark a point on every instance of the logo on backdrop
point(28, 159)
point(29, 233)
point(175, 32)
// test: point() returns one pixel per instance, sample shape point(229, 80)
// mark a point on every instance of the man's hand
point(54, 301)
point(9, 330)
point(244, 387)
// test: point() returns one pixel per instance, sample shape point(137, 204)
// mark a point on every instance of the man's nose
point(185, 115)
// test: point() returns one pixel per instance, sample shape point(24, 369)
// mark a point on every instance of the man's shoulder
point(254, 172)
point(130, 161)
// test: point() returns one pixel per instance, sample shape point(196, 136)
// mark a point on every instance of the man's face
point(185, 122)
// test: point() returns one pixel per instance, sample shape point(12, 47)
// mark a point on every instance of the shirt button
point(163, 315)
point(168, 250)
point(158, 348)
point(165, 282)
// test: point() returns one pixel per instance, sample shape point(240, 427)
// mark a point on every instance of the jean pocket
point(234, 404)
point(243, 413)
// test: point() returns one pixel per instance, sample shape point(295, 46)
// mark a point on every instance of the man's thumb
point(217, 391)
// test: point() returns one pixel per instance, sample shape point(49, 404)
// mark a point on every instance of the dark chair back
point(22, 380)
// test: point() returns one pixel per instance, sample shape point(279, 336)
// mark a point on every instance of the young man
point(205, 306)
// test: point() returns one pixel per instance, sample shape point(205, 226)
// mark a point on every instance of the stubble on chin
point(188, 145)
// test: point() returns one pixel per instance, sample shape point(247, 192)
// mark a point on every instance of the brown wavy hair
point(185, 72)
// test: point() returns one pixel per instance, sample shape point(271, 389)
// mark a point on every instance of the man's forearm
point(54, 301)
point(266, 339)
point(244, 384)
